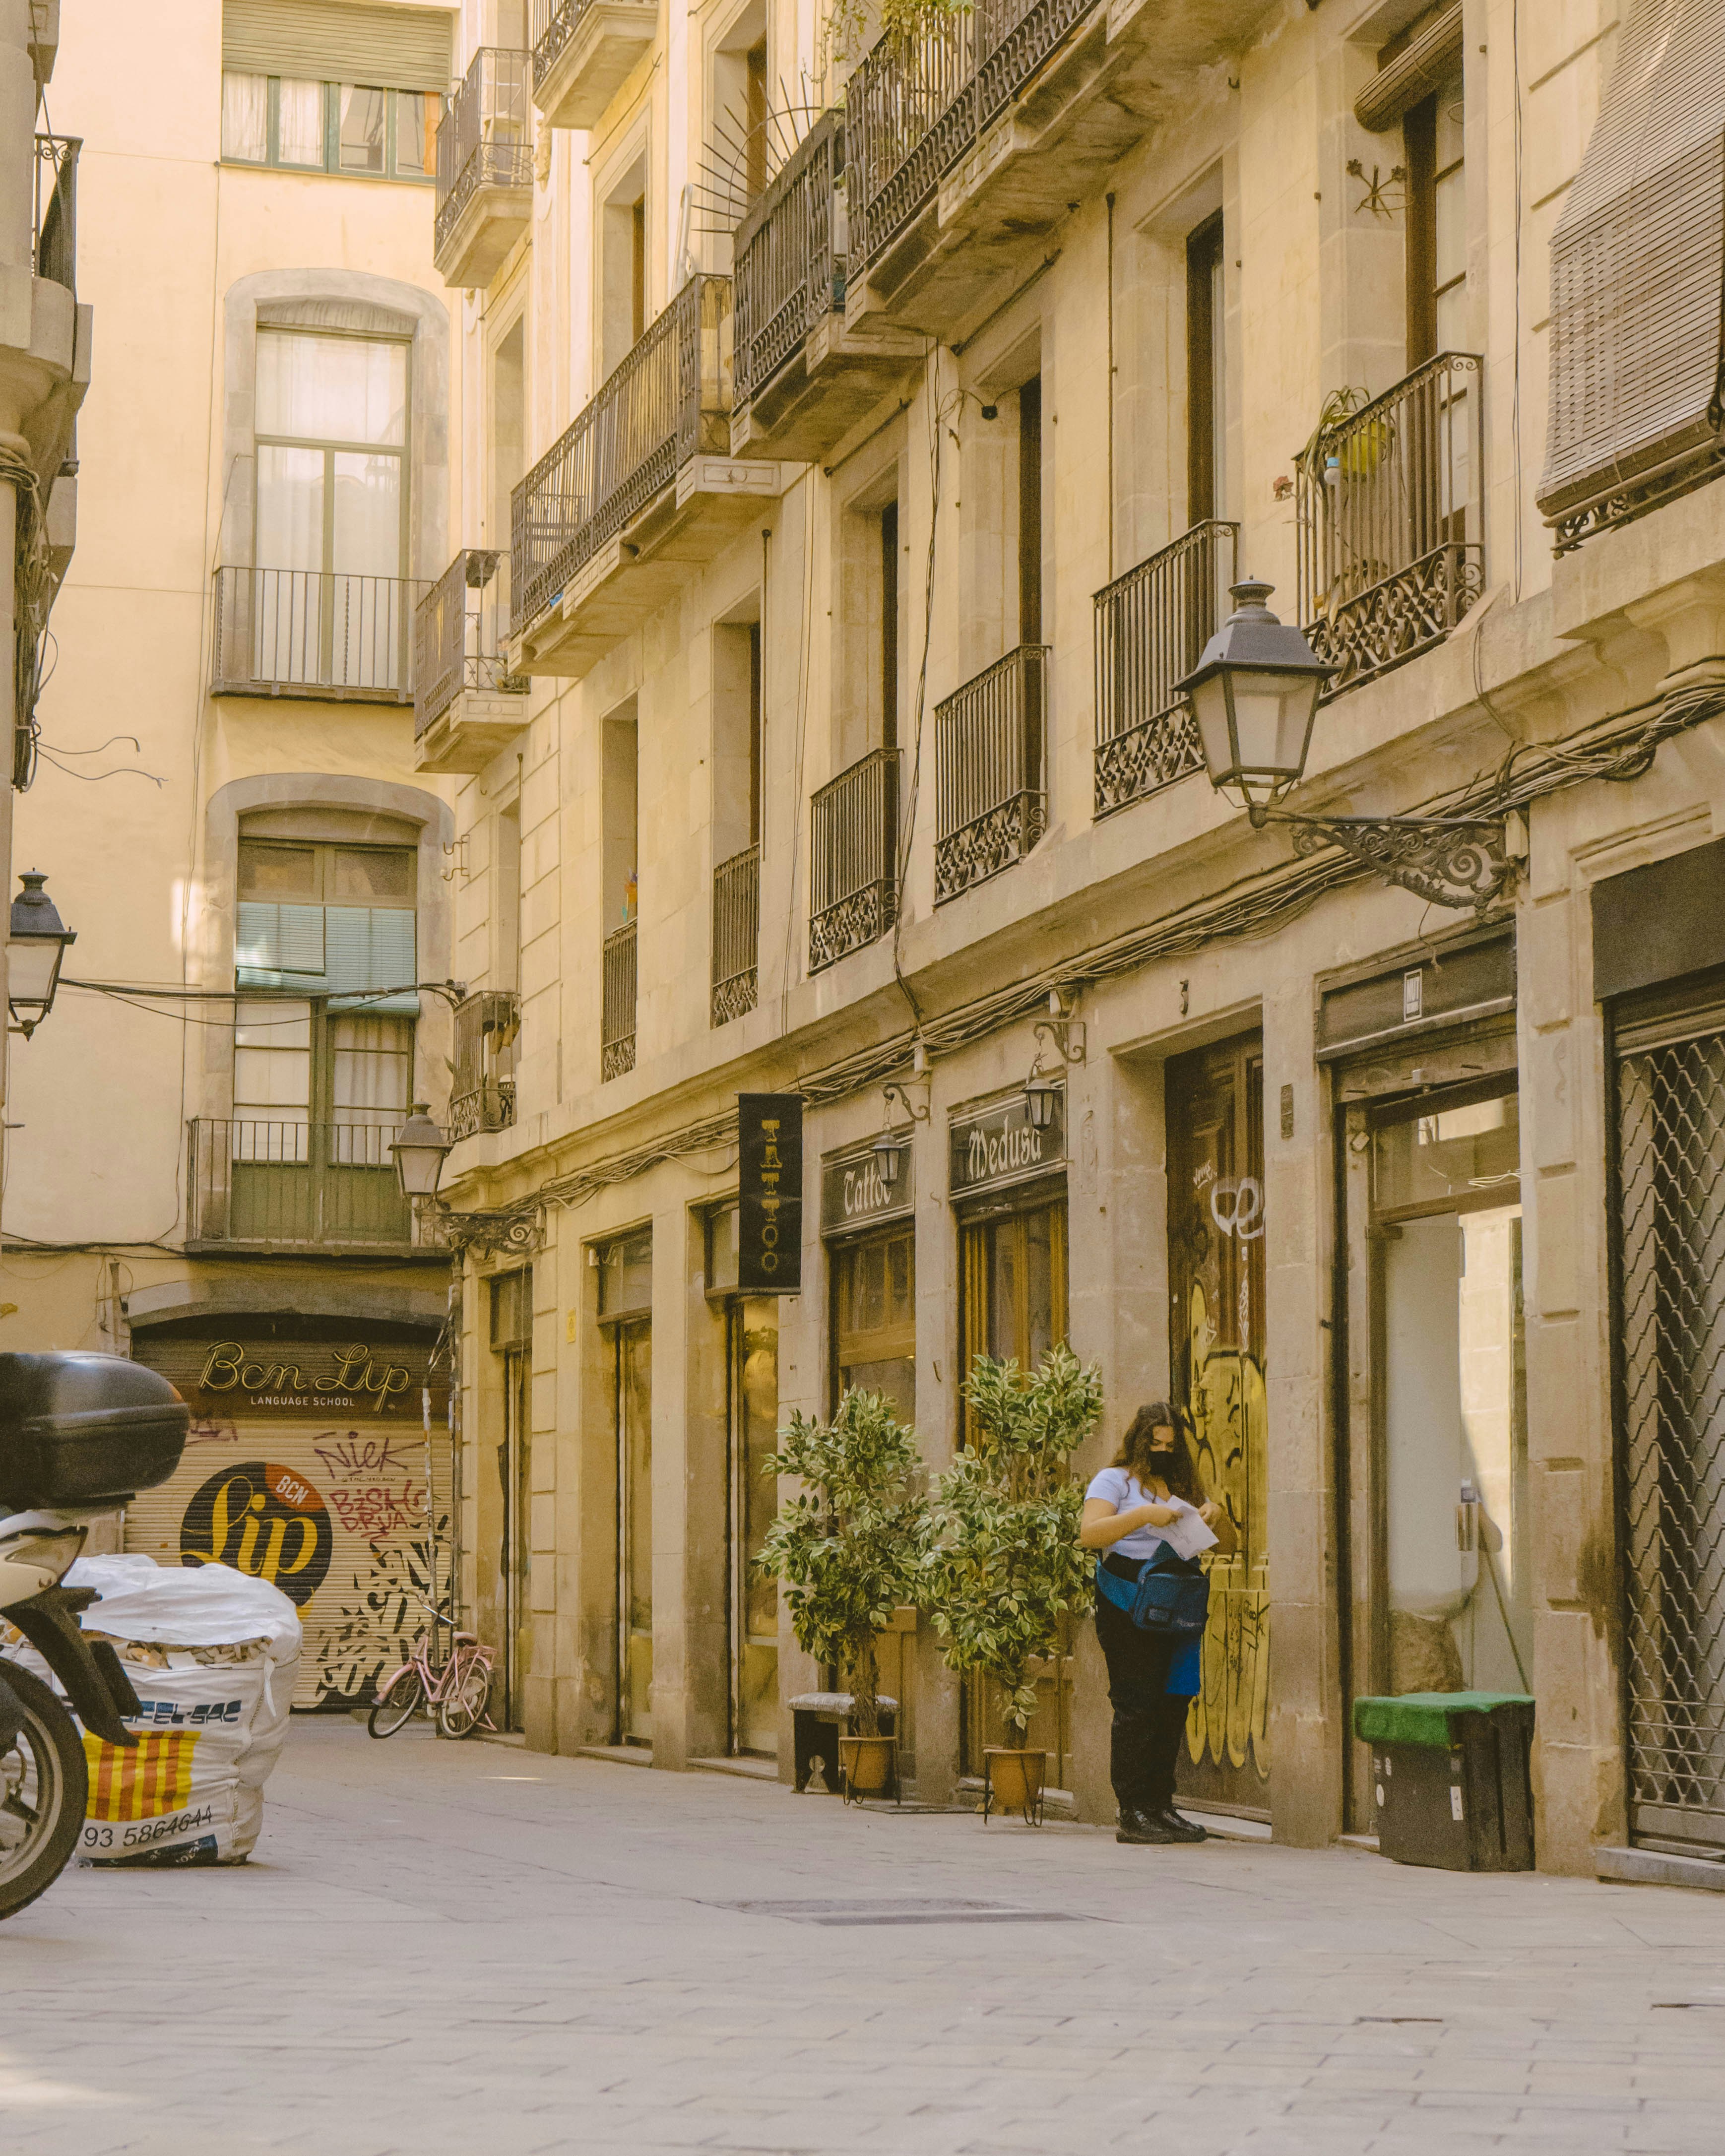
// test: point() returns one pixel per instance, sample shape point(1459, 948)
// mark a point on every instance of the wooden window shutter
point(1422, 65)
point(1638, 266)
point(333, 41)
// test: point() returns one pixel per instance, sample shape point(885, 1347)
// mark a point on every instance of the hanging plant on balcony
point(847, 1549)
point(1363, 450)
point(850, 26)
point(1005, 1571)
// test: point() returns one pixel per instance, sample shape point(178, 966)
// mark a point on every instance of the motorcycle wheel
point(464, 1708)
point(397, 1708)
point(45, 1788)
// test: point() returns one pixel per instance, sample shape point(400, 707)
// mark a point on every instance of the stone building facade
point(868, 437)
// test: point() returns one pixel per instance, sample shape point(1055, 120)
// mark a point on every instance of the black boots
point(1163, 1826)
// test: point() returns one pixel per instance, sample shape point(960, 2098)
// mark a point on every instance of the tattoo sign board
point(769, 1236)
point(852, 1194)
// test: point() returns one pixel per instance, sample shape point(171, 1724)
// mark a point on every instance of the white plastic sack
point(213, 1657)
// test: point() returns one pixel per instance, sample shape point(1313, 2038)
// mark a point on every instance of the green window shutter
point(371, 947)
point(278, 946)
point(334, 41)
point(335, 951)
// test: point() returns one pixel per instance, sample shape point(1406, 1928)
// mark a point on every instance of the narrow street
point(467, 1949)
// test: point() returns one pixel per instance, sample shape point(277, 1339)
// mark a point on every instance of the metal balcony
point(1150, 625)
point(1389, 522)
point(617, 1008)
point(801, 381)
point(54, 230)
point(467, 704)
point(991, 790)
point(737, 935)
point(646, 460)
point(582, 51)
point(313, 632)
point(288, 1185)
point(482, 1090)
point(854, 879)
point(485, 168)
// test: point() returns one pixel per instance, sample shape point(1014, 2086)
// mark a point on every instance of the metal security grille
point(1671, 1260)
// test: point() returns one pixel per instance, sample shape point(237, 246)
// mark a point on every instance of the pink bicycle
point(456, 1691)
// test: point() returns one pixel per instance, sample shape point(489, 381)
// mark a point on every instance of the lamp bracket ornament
point(1448, 860)
point(491, 1234)
point(1059, 1032)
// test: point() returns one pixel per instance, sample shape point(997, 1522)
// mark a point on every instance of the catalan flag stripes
point(145, 1783)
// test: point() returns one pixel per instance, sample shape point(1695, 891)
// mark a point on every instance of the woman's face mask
point(1162, 1442)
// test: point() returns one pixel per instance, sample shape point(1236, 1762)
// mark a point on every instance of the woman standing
point(1151, 1675)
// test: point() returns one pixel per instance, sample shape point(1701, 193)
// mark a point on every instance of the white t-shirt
point(1124, 1491)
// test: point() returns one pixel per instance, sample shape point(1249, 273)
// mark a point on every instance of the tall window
point(1206, 378)
point(1030, 511)
point(325, 935)
point(352, 129)
point(889, 625)
point(332, 439)
point(1437, 225)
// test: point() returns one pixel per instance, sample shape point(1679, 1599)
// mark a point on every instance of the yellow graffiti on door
point(1230, 1717)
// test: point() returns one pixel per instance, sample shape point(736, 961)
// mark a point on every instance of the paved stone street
point(472, 1949)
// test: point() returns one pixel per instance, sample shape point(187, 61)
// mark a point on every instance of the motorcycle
point(80, 1435)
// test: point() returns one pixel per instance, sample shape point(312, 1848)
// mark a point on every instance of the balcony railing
point(482, 1093)
point(1152, 623)
point(485, 139)
point(915, 109)
point(1390, 551)
point(854, 883)
point(991, 799)
point(669, 397)
point(554, 22)
point(313, 632)
point(737, 934)
point(617, 1010)
point(297, 1185)
point(55, 226)
point(459, 627)
point(789, 275)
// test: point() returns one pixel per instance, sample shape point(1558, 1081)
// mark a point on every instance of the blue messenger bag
point(1168, 1594)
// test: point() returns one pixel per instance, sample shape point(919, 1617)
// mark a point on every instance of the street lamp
point(1253, 696)
point(36, 943)
point(420, 1148)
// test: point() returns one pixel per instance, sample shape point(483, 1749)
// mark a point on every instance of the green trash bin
point(1451, 1777)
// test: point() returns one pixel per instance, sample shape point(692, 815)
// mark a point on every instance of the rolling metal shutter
point(332, 41)
point(1638, 265)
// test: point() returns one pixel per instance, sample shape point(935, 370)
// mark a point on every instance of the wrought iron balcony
point(854, 879)
point(1150, 625)
point(617, 1008)
point(1388, 520)
point(912, 113)
point(737, 935)
point(991, 791)
point(314, 633)
point(54, 228)
point(482, 1092)
point(467, 704)
point(802, 382)
point(294, 1185)
point(624, 465)
point(582, 50)
point(485, 168)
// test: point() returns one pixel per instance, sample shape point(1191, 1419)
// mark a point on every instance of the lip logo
point(266, 1521)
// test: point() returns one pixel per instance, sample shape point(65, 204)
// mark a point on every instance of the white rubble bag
point(213, 1656)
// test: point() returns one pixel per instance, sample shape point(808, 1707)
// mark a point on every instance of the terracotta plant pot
point(1012, 1781)
point(868, 1766)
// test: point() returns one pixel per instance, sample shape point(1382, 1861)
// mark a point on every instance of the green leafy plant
point(847, 25)
point(1004, 1568)
point(847, 1549)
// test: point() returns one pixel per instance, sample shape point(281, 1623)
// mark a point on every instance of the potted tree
point(1003, 1566)
point(846, 1549)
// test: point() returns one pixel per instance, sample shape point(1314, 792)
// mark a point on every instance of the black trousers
point(1147, 1719)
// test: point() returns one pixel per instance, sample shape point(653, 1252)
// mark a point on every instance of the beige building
point(871, 437)
point(224, 797)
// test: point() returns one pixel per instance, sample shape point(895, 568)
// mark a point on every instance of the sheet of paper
point(1186, 1533)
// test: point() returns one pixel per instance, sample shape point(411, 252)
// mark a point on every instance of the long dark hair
point(1134, 1455)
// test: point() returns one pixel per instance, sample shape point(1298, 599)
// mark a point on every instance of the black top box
point(79, 1429)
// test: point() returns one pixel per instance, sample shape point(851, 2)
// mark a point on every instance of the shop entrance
point(1215, 1226)
point(625, 1299)
point(1670, 1252)
point(512, 1343)
point(752, 1324)
point(1013, 1253)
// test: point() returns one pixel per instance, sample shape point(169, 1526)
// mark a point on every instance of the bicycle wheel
point(463, 1706)
point(399, 1704)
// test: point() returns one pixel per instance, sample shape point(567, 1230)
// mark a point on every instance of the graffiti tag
point(1237, 1207)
